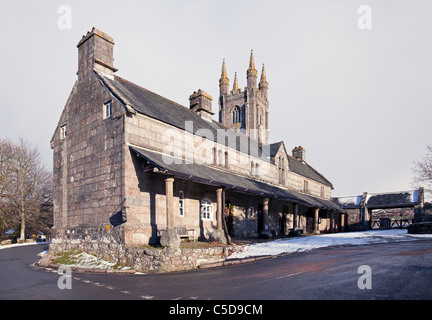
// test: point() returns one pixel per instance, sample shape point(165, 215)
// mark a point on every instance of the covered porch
point(243, 207)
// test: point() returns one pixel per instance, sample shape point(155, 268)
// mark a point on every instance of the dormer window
point(107, 109)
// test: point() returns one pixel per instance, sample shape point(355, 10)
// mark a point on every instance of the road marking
point(288, 275)
point(126, 292)
point(178, 298)
point(147, 297)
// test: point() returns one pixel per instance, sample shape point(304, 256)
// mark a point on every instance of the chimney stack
point(299, 153)
point(201, 103)
point(95, 52)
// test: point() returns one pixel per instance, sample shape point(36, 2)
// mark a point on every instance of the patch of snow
point(88, 261)
point(307, 243)
point(14, 245)
point(41, 254)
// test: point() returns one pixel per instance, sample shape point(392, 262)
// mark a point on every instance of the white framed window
point(206, 209)
point(181, 203)
point(63, 132)
point(107, 109)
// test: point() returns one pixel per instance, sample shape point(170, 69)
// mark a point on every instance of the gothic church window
point(236, 115)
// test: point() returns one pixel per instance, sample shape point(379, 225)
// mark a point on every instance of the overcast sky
point(351, 86)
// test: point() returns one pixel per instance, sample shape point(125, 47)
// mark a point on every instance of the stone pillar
point(342, 219)
point(219, 235)
point(332, 221)
point(169, 182)
point(169, 238)
point(316, 221)
point(265, 233)
point(219, 208)
point(295, 216)
point(265, 214)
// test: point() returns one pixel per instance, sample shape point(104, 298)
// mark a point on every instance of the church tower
point(246, 110)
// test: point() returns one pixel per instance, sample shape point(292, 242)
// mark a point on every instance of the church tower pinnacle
point(246, 110)
point(263, 85)
point(235, 86)
point(252, 73)
point(224, 81)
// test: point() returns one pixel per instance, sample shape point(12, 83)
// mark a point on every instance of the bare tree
point(26, 185)
point(423, 172)
point(6, 152)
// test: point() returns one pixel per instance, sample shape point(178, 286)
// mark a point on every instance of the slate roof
point(155, 106)
point(401, 199)
point(396, 199)
point(212, 176)
point(300, 167)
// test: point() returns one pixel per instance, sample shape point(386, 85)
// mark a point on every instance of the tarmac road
point(399, 270)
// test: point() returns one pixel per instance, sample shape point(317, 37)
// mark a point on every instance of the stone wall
point(420, 228)
point(156, 260)
point(106, 242)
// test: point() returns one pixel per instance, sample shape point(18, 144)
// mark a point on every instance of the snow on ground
point(7, 246)
point(306, 243)
point(88, 261)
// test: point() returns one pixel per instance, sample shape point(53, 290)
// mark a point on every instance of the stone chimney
point(95, 51)
point(299, 153)
point(201, 103)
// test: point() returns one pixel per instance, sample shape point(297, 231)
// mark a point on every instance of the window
point(214, 156)
point(322, 192)
point(236, 115)
point(306, 186)
point(63, 132)
point(108, 109)
point(206, 209)
point(220, 158)
point(281, 170)
point(181, 203)
point(226, 159)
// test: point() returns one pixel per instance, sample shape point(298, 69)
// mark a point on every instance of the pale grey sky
point(359, 100)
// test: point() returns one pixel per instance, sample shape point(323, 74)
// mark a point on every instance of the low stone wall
point(106, 244)
point(167, 259)
point(420, 228)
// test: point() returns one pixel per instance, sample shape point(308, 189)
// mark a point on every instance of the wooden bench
point(185, 233)
point(182, 232)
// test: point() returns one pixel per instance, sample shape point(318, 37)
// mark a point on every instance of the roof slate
point(155, 106)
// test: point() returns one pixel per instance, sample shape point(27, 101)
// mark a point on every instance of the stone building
point(131, 167)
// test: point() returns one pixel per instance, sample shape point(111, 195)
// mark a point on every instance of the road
point(400, 270)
